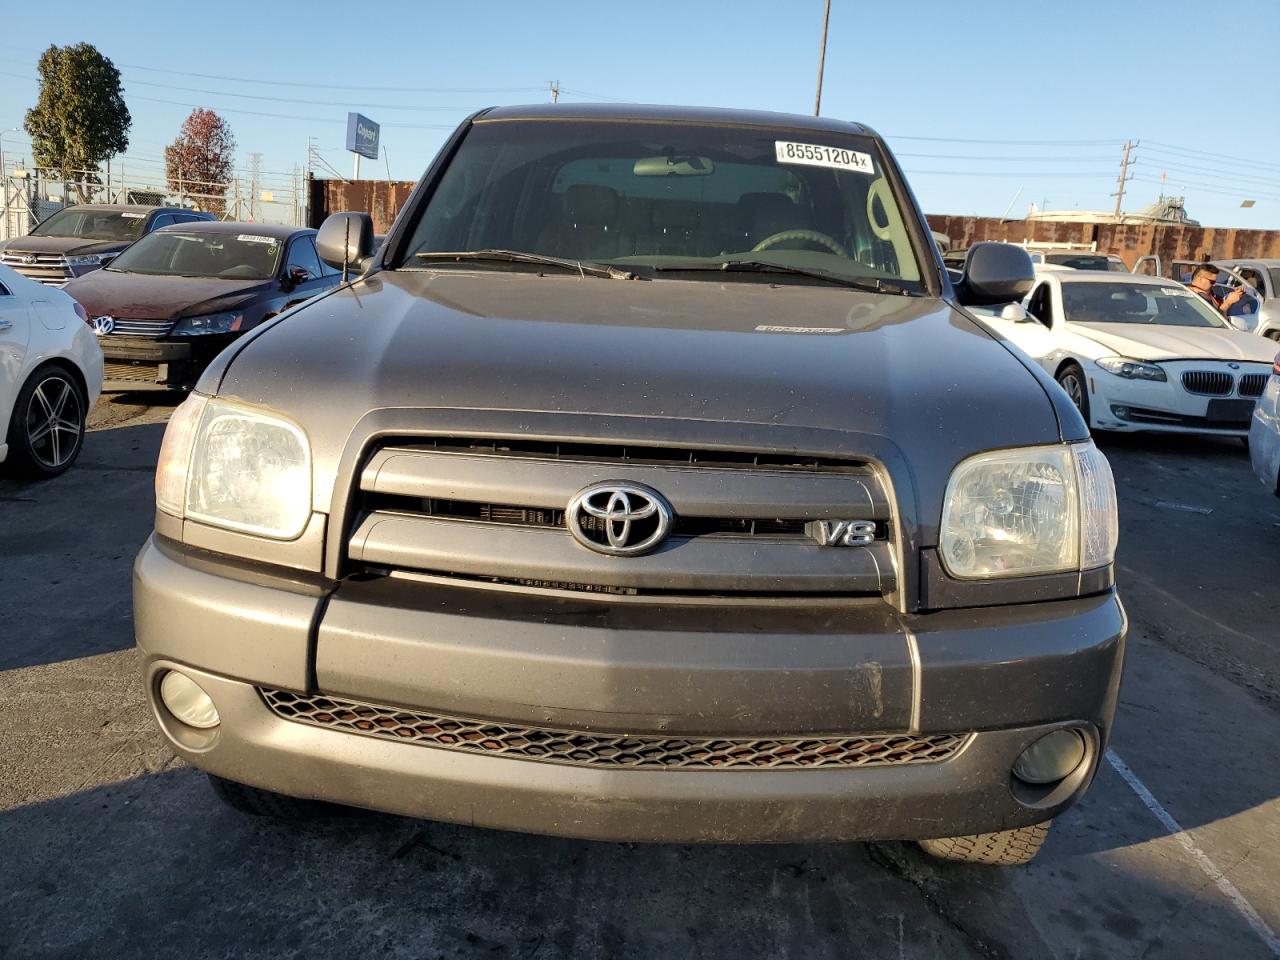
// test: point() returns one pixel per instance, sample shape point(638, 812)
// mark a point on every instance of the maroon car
point(166, 306)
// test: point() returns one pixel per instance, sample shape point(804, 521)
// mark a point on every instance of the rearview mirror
point(345, 241)
point(673, 167)
point(995, 273)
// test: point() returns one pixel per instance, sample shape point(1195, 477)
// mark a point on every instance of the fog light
point(1121, 412)
point(1050, 758)
point(187, 701)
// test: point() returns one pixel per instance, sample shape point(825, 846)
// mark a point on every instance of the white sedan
point(50, 375)
point(1139, 353)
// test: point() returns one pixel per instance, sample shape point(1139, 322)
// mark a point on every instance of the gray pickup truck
point(649, 482)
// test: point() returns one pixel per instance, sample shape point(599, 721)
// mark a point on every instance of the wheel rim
point(53, 422)
point(1075, 390)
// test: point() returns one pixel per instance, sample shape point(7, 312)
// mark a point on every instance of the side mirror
point(995, 273)
point(345, 241)
point(297, 275)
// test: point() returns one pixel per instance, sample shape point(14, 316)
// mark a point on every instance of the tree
point(198, 164)
point(80, 118)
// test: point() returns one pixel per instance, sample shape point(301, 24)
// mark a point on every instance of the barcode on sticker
point(816, 155)
point(254, 238)
point(134, 216)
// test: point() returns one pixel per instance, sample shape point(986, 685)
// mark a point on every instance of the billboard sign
point(362, 136)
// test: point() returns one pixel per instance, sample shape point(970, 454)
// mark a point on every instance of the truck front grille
point(48, 268)
point(745, 524)
point(1209, 383)
point(581, 748)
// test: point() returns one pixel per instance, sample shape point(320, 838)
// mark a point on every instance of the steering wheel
point(813, 236)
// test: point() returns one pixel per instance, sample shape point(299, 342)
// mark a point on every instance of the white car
point(50, 375)
point(1138, 353)
point(1264, 433)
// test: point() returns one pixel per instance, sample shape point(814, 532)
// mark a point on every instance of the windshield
point(93, 224)
point(1080, 261)
point(1137, 303)
point(244, 256)
point(670, 196)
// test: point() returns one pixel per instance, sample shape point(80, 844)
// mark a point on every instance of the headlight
point(235, 467)
point(88, 260)
point(209, 323)
point(1132, 369)
point(1029, 511)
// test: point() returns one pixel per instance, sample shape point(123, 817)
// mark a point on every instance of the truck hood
point(144, 297)
point(766, 365)
point(1166, 342)
point(71, 246)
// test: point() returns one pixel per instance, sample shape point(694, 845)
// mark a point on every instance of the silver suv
point(649, 482)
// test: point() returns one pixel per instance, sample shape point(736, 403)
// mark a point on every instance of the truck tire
point(263, 803)
point(1003, 848)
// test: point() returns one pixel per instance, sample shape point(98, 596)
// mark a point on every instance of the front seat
point(587, 227)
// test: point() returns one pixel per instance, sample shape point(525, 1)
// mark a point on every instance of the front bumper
point(1131, 406)
point(136, 363)
point(1003, 676)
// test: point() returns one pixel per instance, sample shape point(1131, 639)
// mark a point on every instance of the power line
point(1205, 154)
point(1214, 188)
point(303, 83)
point(1025, 143)
point(1000, 159)
point(1219, 172)
point(1101, 174)
point(309, 103)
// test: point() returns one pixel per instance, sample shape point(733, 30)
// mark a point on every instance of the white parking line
point(1201, 858)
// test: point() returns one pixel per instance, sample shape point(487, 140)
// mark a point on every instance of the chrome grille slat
point(609, 750)
point(1208, 383)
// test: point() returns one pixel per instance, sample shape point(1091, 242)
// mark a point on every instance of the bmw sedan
point(1138, 353)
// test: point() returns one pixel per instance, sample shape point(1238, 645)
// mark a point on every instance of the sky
point(989, 106)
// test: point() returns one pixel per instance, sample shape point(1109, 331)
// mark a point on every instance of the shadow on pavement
point(68, 547)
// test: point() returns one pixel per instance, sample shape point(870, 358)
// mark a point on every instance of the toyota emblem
point(103, 325)
point(619, 519)
point(29, 259)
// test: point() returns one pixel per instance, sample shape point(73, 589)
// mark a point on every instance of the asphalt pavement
point(109, 847)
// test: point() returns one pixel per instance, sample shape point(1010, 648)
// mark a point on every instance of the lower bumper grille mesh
point(611, 750)
point(131, 372)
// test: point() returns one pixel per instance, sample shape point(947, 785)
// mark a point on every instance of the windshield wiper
point(870, 284)
point(582, 267)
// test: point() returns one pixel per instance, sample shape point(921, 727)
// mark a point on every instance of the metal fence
point(29, 195)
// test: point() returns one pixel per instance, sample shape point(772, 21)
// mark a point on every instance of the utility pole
point(822, 58)
point(1125, 176)
point(255, 169)
point(555, 90)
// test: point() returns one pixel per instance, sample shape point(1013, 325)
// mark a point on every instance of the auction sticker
point(255, 238)
point(815, 155)
point(134, 216)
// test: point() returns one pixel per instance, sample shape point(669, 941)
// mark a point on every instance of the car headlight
point(88, 260)
point(235, 467)
point(1029, 511)
point(209, 323)
point(1131, 369)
